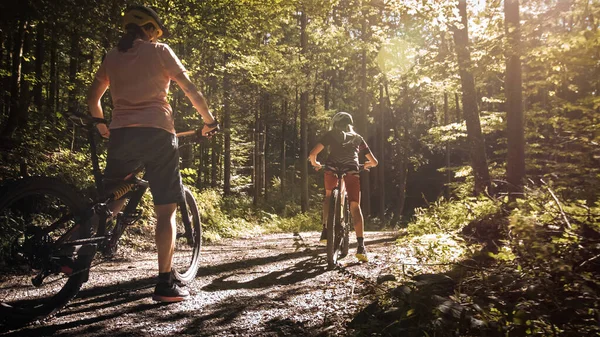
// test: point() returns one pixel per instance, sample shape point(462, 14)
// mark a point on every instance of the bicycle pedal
point(131, 218)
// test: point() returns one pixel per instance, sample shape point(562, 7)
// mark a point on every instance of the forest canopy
point(428, 83)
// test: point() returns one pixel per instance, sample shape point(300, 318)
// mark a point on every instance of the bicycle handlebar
point(344, 169)
point(87, 121)
point(198, 134)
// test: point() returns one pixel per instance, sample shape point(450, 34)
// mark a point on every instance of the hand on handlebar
point(210, 129)
point(368, 165)
point(317, 166)
point(103, 130)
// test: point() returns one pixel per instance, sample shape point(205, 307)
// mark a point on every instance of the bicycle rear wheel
point(333, 228)
point(28, 207)
point(188, 242)
point(346, 229)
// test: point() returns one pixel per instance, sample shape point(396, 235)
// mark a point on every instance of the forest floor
point(268, 285)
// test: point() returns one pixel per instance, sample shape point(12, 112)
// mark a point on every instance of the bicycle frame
point(131, 185)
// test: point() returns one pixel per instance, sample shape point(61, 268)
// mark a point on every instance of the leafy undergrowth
point(480, 268)
point(225, 218)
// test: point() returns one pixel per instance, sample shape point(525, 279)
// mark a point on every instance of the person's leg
point(162, 172)
point(165, 235)
point(330, 182)
point(357, 219)
point(353, 190)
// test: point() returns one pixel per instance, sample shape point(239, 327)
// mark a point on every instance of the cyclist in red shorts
point(345, 146)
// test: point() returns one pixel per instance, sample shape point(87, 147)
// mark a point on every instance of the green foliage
point(450, 216)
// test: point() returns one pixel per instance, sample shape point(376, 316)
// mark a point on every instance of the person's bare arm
point(197, 99)
point(371, 161)
point(94, 95)
point(313, 156)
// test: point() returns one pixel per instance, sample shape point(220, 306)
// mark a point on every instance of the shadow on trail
point(313, 251)
point(101, 304)
point(222, 317)
point(301, 271)
point(90, 301)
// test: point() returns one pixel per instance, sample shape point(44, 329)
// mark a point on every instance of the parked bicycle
point(51, 235)
point(338, 217)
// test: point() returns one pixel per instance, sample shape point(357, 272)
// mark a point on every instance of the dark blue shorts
point(157, 150)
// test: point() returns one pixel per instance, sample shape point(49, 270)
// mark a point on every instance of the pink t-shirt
point(139, 83)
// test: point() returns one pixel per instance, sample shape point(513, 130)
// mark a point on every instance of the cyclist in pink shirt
point(139, 71)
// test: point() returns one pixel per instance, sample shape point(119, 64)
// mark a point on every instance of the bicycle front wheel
point(333, 220)
point(188, 242)
point(38, 275)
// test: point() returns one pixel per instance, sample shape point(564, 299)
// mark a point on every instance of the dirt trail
point(269, 285)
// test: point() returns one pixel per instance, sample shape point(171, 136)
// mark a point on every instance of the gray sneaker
point(169, 293)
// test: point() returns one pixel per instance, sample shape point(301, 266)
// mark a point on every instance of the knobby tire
point(186, 259)
point(332, 228)
point(24, 197)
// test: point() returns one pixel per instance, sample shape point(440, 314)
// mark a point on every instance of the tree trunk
point(304, 119)
point(469, 99)
point(448, 173)
point(25, 92)
point(255, 160)
point(282, 153)
point(40, 51)
point(380, 154)
point(73, 66)
point(214, 159)
point(5, 45)
point(15, 85)
point(363, 124)
point(457, 103)
point(294, 146)
point(515, 162)
point(226, 129)
point(266, 149)
point(52, 90)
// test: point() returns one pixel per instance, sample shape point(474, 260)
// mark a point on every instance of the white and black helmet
point(341, 119)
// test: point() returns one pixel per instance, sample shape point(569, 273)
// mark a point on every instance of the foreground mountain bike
point(338, 217)
point(50, 236)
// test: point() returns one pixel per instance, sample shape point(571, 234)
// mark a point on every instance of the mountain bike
point(50, 235)
point(338, 217)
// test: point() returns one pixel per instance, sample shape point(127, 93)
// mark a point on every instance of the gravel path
point(270, 285)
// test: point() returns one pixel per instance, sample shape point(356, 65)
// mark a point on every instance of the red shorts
point(351, 181)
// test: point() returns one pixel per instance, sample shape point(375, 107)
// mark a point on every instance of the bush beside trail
point(526, 268)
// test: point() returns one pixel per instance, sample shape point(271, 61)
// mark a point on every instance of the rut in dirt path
point(275, 284)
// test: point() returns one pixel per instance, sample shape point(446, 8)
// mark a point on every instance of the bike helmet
point(142, 15)
point(341, 119)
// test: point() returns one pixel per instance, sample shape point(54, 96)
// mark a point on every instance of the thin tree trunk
point(25, 92)
point(365, 182)
point(6, 65)
point(201, 164)
point(282, 153)
point(214, 167)
point(515, 163)
point(474, 135)
point(51, 103)
point(448, 173)
point(15, 86)
point(266, 149)
point(40, 52)
point(457, 105)
point(73, 67)
point(304, 119)
point(226, 129)
point(255, 160)
point(380, 154)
